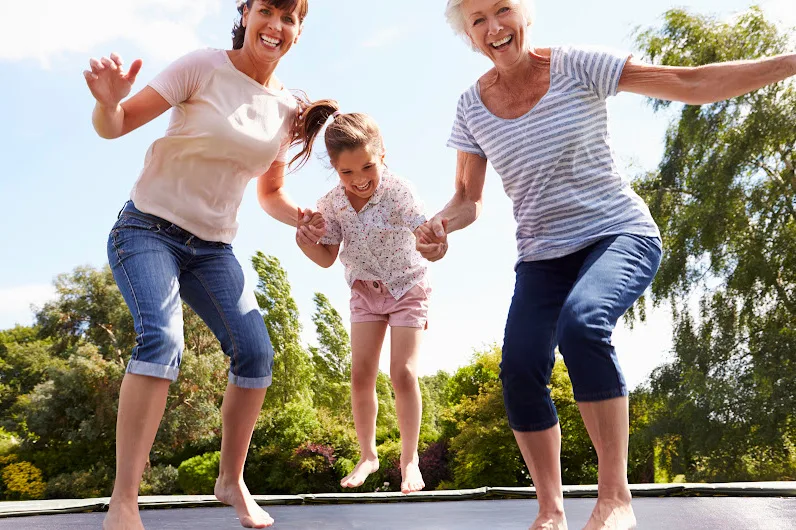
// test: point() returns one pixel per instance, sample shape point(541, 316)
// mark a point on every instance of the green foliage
point(94, 482)
point(332, 358)
point(197, 475)
point(292, 364)
point(22, 481)
point(723, 197)
point(71, 419)
point(160, 480)
point(88, 307)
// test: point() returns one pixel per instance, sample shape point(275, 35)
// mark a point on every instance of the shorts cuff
point(250, 382)
point(369, 318)
point(408, 324)
point(601, 396)
point(161, 371)
point(534, 427)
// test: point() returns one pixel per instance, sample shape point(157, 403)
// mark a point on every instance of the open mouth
point(363, 188)
point(502, 43)
point(270, 42)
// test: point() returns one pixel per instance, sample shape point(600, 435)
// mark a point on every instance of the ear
point(245, 19)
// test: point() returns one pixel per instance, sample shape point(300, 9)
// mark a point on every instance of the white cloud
point(162, 29)
point(384, 37)
point(16, 302)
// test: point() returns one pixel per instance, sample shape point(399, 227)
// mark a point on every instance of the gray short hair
point(453, 12)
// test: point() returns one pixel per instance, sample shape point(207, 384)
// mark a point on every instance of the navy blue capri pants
point(572, 302)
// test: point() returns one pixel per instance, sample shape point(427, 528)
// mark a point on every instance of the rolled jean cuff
point(601, 396)
point(534, 427)
point(250, 382)
point(161, 371)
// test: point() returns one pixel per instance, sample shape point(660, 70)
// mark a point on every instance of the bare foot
point(611, 515)
point(361, 472)
point(237, 495)
point(549, 521)
point(122, 516)
point(411, 479)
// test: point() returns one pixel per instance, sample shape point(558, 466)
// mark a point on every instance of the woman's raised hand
point(108, 81)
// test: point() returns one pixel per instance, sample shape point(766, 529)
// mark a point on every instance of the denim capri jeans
point(572, 302)
point(157, 265)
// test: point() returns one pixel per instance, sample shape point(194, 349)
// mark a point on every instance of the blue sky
point(62, 186)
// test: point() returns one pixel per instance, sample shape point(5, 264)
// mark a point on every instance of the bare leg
point(404, 349)
point(366, 341)
point(239, 414)
point(607, 423)
point(541, 451)
point(142, 401)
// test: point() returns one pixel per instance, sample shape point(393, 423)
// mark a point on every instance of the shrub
point(197, 475)
point(22, 481)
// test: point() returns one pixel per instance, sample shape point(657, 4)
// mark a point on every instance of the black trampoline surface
point(698, 513)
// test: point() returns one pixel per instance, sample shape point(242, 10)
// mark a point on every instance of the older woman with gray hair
point(588, 246)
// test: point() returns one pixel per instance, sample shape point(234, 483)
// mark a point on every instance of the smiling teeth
point(501, 42)
point(268, 40)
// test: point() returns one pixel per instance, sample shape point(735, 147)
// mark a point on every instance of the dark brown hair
point(344, 133)
point(238, 30)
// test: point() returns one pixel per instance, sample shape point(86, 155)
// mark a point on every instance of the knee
point(523, 365)
point(403, 378)
point(577, 328)
point(362, 380)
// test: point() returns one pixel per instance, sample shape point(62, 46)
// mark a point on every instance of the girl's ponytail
point(310, 120)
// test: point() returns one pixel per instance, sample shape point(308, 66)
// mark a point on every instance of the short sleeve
point(334, 232)
point(184, 77)
point(597, 68)
point(281, 156)
point(461, 138)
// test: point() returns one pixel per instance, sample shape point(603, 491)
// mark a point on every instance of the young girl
point(373, 214)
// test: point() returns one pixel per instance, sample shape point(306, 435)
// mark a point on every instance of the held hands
point(109, 84)
point(432, 238)
point(310, 227)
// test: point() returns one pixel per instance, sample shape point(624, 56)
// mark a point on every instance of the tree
point(332, 358)
point(88, 307)
point(723, 196)
point(292, 364)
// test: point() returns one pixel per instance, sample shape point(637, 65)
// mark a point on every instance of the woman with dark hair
point(232, 120)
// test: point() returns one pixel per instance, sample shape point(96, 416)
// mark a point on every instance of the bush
point(160, 480)
point(434, 465)
point(22, 481)
point(197, 475)
point(93, 483)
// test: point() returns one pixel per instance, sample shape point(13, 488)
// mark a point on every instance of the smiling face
point(497, 28)
point(359, 170)
point(270, 30)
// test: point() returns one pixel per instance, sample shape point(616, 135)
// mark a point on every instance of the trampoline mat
point(695, 513)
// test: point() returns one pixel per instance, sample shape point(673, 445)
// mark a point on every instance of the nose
point(274, 23)
point(494, 25)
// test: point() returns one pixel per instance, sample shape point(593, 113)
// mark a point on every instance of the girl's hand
point(109, 84)
point(432, 239)
point(310, 227)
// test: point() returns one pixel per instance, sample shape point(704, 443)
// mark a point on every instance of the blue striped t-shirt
point(556, 160)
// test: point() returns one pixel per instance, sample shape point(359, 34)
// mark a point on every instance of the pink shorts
point(372, 302)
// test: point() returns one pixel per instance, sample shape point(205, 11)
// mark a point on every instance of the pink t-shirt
point(378, 241)
point(225, 130)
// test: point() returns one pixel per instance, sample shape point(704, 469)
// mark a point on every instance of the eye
point(288, 20)
point(502, 10)
point(265, 12)
point(368, 166)
point(478, 21)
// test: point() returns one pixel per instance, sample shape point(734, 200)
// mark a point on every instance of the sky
point(62, 186)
